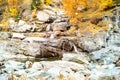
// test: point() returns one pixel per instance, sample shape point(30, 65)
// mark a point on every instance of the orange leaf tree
point(77, 9)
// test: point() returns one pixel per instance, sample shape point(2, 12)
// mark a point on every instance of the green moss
point(117, 1)
point(36, 4)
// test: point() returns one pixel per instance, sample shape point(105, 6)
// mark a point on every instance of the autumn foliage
point(86, 13)
point(77, 9)
point(14, 8)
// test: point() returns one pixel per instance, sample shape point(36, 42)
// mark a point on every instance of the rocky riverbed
point(50, 48)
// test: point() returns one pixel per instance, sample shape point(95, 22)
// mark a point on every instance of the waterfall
point(52, 36)
point(75, 48)
point(117, 19)
point(48, 27)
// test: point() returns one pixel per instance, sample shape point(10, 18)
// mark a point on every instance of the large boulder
point(32, 47)
point(62, 26)
point(107, 64)
point(23, 47)
point(21, 26)
point(43, 16)
point(89, 42)
point(106, 56)
point(18, 36)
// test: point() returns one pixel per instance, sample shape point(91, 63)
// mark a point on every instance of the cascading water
point(117, 19)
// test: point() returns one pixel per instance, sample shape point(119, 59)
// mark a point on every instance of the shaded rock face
point(114, 39)
point(33, 49)
point(118, 62)
point(66, 45)
point(91, 43)
point(107, 78)
point(62, 26)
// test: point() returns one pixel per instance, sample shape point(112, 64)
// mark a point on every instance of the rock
point(25, 5)
point(37, 66)
point(5, 35)
point(77, 58)
point(12, 23)
point(13, 65)
point(58, 20)
point(34, 39)
point(28, 64)
point(27, 14)
point(6, 55)
point(118, 62)
point(106, 56)
point(119, 24)
point(52, 36)
point(33, 48)
point(47, 65)
point(1, 63)
point(66, 45)
point(22, 26)
point(50, 12)
point(56, 2)
point(111, 75)
point(113, 18)
point(0, 27)
point(98, 72)
point(46, 70)
point(54, 72)
point(22, 77)
point(114, 39)
point(94, 20)
point(4, 76)
point(23, 47)
point(48, 28)
point(10, 56)
point(61, 13)
point(20, 52)
point(48, 7)
point(2, 66)
point(41, 27)
point(107, 78)
point(42, 16)
point(18, 36)
point(62, 26)
point(91, 43)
